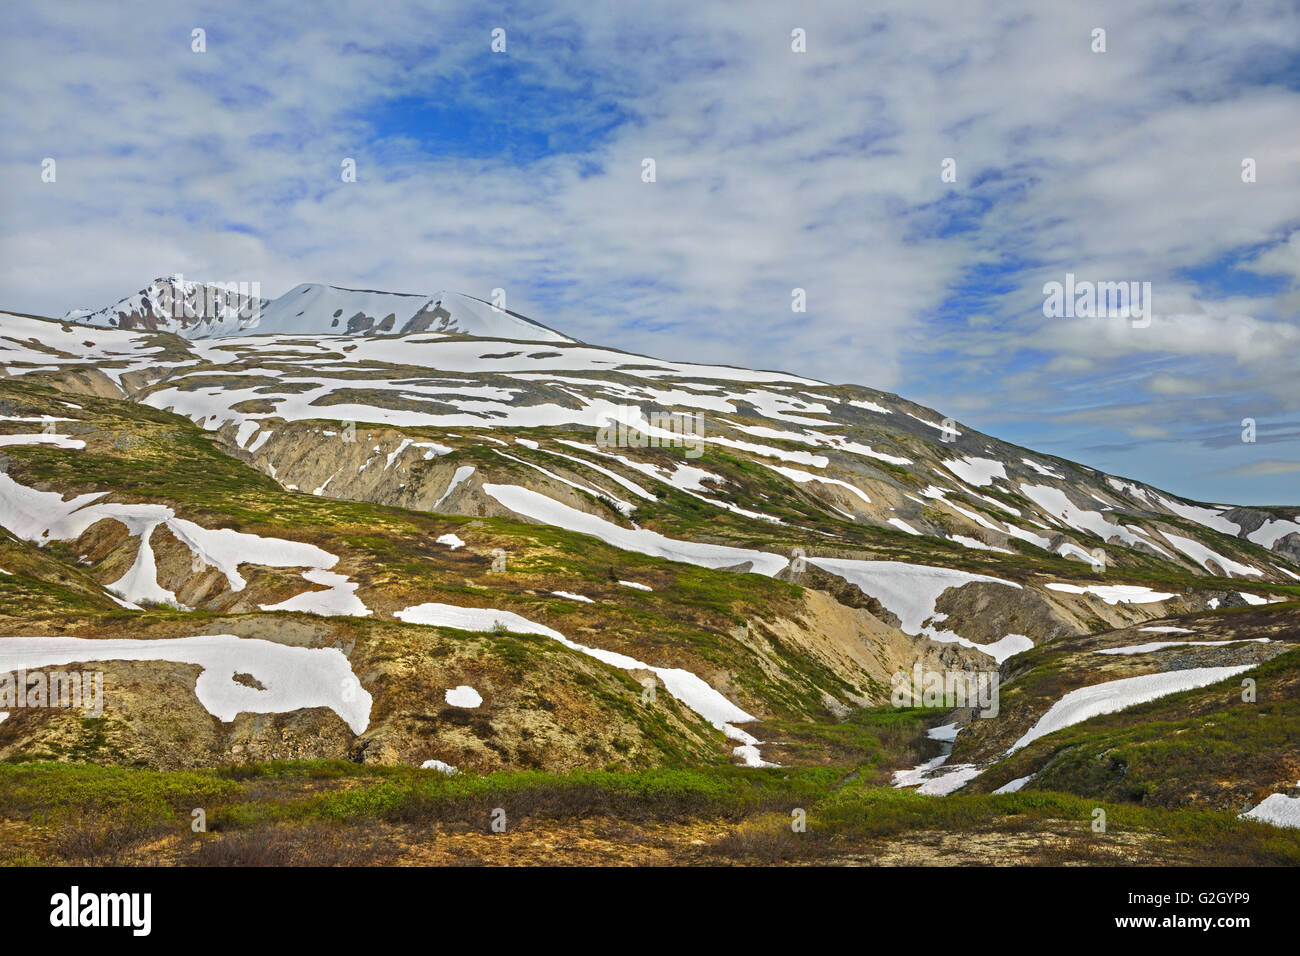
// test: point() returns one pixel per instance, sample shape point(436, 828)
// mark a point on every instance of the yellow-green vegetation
point(79, 813)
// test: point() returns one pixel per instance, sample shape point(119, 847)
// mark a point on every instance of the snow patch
point(976, 471)
point(574, 597)
point(463, 696)
point(1277, 809)
point(438, 765)
point(1114, 593)
point(1015, 786)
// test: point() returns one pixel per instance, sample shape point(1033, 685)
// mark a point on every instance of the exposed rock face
point(842, 591)
point(195, 310)
point(863, 650)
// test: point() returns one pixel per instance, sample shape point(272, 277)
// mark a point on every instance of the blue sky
point(775, 170)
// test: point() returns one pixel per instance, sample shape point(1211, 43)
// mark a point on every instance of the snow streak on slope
point(530, 504)
point(1210, 517)
point(58, 441)
point(1111, 696)
point(1056, 503)
point(1114, 593)
point(686, 687)
point(1161, 645)
point(1203, 556)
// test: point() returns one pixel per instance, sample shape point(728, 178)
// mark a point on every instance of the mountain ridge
point(198, 310)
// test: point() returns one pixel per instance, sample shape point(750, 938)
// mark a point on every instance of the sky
point(822, 170)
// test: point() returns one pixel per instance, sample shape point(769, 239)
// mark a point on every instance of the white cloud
point(775, 169)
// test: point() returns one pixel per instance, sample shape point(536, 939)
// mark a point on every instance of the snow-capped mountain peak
point(194, 310)
point(316, 308)
point(201, 310)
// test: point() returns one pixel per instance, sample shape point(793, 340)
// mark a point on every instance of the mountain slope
point(765, 551)
point(834, 453)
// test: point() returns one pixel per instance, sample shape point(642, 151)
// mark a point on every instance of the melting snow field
point(999, 650)
point(338, 598)
point(1111, 696)
point(1278, 809)
point(105, 347)
point(953, 779)
point(690, 690)
point(44, 516)
point(919, 773)
point(910, 592)
point(293, 677)
point(933, 777)
point(1272, 531)
point(1115, 593)
point(475, 405)
point(976, 471)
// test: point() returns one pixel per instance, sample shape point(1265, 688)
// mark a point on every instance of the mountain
point(194, 310)
point(465, 546)
point(202, 310)
point(311, 309)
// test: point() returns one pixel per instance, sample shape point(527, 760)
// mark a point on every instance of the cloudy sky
point(775, 170)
